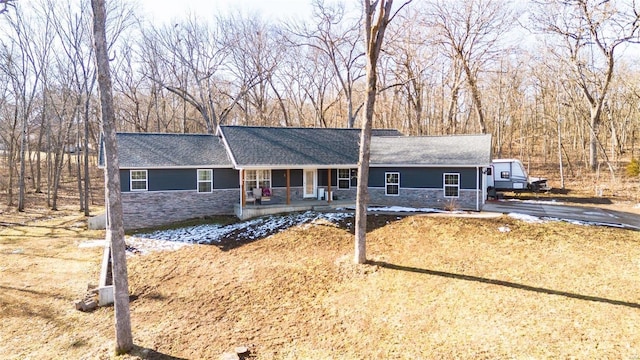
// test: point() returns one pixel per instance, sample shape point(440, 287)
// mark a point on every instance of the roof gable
point(287, 146)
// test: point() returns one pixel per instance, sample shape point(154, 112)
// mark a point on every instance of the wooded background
point(554, 82)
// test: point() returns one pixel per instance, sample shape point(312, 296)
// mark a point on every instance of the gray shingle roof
point(458, 150)
point(144, 150)
point(277, 146)
point(283, 147)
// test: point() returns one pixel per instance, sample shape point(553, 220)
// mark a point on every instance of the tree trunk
point(87, 177)
point(58, 165)
point(351, 120)
point(477, 100)
point(594, 124)
point(373, 37)
point(38, 186)
point(49, 166)
point(362, 197)
point(79, 164)
point(23, 150)
point(115, 224)
point(12, 155)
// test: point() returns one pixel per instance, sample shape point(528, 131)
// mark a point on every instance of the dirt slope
point(436, 288)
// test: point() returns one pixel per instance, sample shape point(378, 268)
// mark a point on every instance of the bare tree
point(254, 54)
point(73, 28)
point(142, 103)
point(375, 25)
point(189, 61)
point(115, 225)
point(591, 31)
point(4, 5)
point(62, 111)
point(27, 48)
point(410, 63)
point(135, 106)
point(340, 41)
point(470, 32)
point(311, 85)
point(10, 118)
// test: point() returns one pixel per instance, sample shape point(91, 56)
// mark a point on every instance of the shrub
point(633, 168)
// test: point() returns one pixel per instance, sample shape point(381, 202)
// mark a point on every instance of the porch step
point(322, 208)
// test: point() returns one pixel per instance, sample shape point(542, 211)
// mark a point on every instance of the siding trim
point(230, 153)
point(181, 167)
point(176, 191)
point(427, 166)
point(424, 188)
point(296, 167)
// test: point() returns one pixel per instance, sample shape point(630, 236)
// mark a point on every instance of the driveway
point(558, 211)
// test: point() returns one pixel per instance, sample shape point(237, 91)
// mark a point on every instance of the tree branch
point(4, 5)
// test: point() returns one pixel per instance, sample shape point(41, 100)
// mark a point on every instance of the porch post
point(329, 186)
point(288, 186)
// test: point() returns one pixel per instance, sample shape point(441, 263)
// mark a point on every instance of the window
point(205, 180)
point(257, 178)
point(344, 178)
point(451, 185)
point(138, 180)
point(392, 183)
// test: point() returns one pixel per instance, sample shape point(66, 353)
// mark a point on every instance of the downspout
point(329, 186)
point(484, 185)
point(242, 192)
point(477, 188)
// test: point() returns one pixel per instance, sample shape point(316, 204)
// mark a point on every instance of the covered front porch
point(255, 210)
point(272, 191)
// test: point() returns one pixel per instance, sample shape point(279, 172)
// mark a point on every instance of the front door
point(309, 182)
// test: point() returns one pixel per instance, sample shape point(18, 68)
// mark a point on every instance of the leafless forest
point(554, 82)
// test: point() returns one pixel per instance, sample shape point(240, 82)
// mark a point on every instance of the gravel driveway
point(561, 211)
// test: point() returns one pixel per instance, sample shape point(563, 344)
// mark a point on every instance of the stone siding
point(155, 208)
point(343, 194)
point(279, 194)
point(426, 198)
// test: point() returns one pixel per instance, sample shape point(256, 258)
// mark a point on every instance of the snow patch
point(404, 209)
point(552, 201)
point(143, 246)
point(174, 239)
point(526, 218)
point(92, 244)
point(537, 220)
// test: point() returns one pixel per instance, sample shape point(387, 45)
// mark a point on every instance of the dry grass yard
point(435, 288)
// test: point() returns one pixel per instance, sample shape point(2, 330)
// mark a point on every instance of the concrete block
point(105, 295)
point(98, 222)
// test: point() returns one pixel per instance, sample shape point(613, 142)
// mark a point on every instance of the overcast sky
point(160, 11)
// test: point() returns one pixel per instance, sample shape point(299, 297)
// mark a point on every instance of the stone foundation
point(151, 208)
